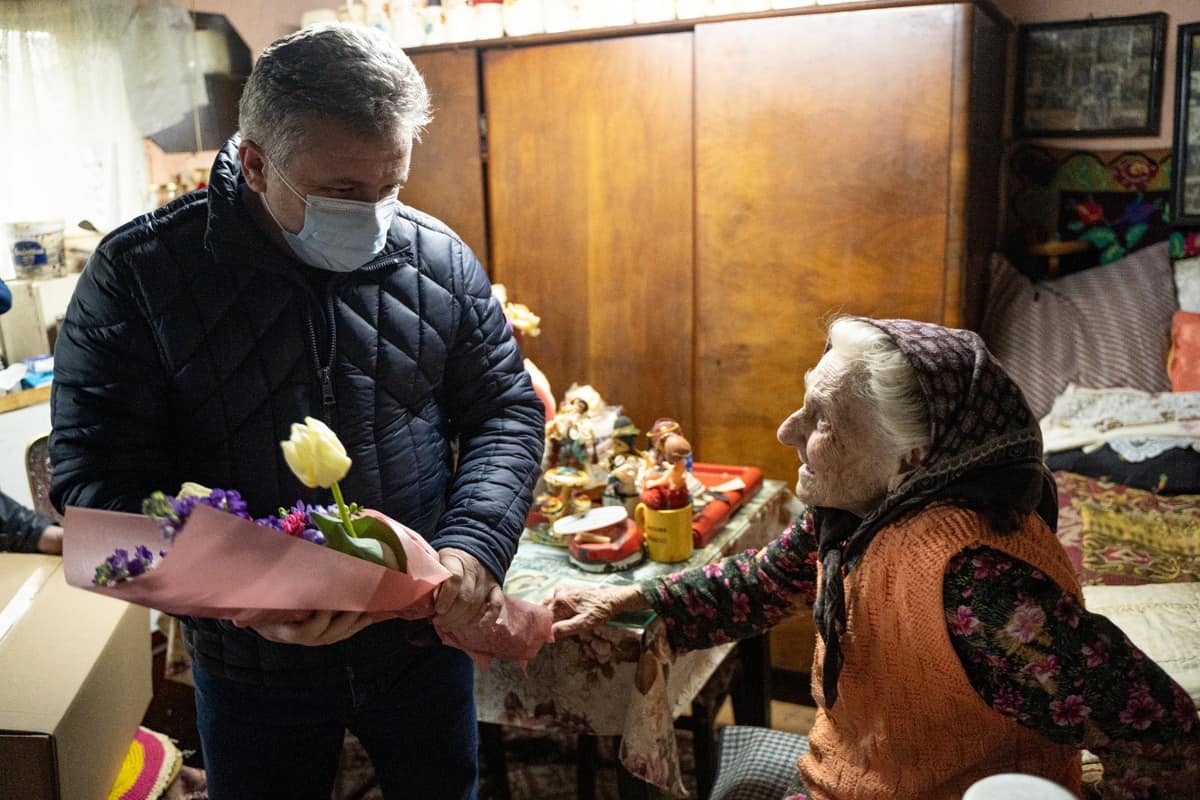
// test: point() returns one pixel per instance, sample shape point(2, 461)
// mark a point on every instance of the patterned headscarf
point(985, 454)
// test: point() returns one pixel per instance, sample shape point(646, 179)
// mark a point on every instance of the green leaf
point(1075, 227)
point(366, 548)
point(1135, 233)
point(371, 528)
point(1112, 253)
point(1100, 237)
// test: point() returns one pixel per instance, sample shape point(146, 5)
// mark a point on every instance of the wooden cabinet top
point(691, 23)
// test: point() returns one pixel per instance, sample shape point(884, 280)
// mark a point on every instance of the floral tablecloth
point(621, 680)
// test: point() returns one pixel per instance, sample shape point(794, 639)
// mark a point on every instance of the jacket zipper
point(325, 370)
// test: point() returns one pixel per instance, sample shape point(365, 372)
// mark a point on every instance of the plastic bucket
point(37, 249)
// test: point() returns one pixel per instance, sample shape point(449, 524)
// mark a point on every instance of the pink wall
point(263, 22)
point(1178, 12)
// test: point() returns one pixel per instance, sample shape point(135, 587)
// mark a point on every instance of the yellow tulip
point(315, 454)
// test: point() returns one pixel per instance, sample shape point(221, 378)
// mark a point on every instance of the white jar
point(558, 16)
point(523, 17)
point(589, 14)
point(376, 16)
point(654, 10)
point(719, 8)
point(435, 24)
point(489, 20)
point(408, 26)
point(460, 23)
point(618, 13)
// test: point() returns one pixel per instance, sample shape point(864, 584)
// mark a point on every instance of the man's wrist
point(50, 540)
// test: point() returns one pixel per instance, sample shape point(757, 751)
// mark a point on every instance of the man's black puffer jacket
point(193, 343)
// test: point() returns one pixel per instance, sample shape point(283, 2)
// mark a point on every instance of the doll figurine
point(624, 465)
point(665, 486)
point(569, 438)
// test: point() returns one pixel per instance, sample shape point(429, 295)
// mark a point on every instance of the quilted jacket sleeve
point(108, 405)
point(500, 425)
point(20, 527)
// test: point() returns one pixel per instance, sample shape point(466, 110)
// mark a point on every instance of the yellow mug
point(668, 533)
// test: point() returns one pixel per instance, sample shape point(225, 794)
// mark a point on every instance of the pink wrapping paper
point(226, 567)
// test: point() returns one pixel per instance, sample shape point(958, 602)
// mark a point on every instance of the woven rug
point(541, 766)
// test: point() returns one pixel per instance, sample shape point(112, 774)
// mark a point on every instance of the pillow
point(1163, 620)
point(1100, 328)
point(1187, 283)
point(1185, 352)
point(1116, 535)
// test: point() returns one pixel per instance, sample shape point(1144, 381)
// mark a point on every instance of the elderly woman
point(953, 639)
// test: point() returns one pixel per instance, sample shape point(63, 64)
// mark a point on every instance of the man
point(23, 530)
point(297, 285)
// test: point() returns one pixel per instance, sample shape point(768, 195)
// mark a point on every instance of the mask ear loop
point(286, 182)
point(291, 188)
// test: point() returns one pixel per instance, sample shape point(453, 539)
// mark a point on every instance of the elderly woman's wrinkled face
point(846, 457)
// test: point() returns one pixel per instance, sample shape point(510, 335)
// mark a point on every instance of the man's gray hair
point(890, 381)
point(349, 73)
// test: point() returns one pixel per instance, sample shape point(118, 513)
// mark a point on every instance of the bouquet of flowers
point(199, 553)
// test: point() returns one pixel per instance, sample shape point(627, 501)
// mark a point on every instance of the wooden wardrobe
point(687, 205)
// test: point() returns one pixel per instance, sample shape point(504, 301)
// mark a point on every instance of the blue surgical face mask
point(338, 235)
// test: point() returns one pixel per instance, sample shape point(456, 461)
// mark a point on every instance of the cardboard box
point(75, 682)
point(25, 330)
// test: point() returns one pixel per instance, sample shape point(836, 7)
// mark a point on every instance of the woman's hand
point(577, 608)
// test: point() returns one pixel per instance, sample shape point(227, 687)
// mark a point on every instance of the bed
point(1107, 352)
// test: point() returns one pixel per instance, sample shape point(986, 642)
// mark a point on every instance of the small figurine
point(570, 441)
point(566, 482)
point(665, 486)
point(624, 464)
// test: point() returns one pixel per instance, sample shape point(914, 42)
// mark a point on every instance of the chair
point(756, 763)
point(38, 470)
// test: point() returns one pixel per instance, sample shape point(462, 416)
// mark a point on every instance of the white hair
point(890, 381)
point(349, 73)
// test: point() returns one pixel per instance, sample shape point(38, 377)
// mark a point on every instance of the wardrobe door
point(590, 196)
point(446, 176)
point(823, 177)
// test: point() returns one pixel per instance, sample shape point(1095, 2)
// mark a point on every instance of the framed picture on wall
point(1093, 77)
point(1185, 200)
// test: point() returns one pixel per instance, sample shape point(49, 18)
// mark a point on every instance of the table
point(617, 681)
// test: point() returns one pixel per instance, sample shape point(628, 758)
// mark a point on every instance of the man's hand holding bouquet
point(309, 575)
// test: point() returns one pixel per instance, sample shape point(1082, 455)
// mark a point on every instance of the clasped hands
point(470, 596)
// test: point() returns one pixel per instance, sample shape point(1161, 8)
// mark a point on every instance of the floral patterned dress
point(1029, 648)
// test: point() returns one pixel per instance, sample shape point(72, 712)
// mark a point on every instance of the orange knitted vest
point(907, 725)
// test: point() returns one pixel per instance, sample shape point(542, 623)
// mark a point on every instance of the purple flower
point(1097, 652)
point(1008, 701)
point(120, 566)
point(1071, 710)
point(1067, 610)
point(1140, 711)
point(962, 621)
point(227, 500)
point(1026, 622)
